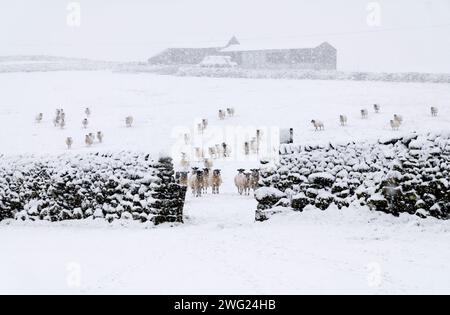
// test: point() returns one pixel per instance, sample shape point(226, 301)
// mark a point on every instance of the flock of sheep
point(395, 123)
point(200, 180)
point(59, 121)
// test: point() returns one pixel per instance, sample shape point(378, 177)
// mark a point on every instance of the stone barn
point(312, 56)
point(320, 56)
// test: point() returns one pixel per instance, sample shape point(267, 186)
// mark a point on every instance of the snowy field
point(220, 249)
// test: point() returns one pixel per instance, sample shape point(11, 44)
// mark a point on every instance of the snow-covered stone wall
point(103, 186)
point(405, 175)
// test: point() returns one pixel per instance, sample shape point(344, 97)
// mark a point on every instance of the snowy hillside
point(219, 249)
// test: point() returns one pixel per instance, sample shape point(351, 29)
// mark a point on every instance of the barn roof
point(269, 45)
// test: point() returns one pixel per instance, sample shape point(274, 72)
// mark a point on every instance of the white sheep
point(85, 123)
point(62, 123)
point(377, 108)
point(100, 136)
point(88, 140)
point(184, 161)
point(343, 120)
point(398, 119)
point(240, 180)
point(196, 182)
point(318, 125)
point(39, 118)
point(129, 121)
point(230, 111)
point(212, 152)
point(87, 111)
point(434, 111)
point(221, 114)
point(69, 142)
point(207, 163)
point(364, 113)
point(216, 181)
point(199, 153)
point(395, 125)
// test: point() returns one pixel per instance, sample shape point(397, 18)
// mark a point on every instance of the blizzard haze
point(411, 36)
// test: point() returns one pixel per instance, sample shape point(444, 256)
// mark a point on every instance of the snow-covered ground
point(220, 249)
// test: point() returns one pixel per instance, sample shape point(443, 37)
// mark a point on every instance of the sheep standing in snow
point(240, 180)
point(200, 128)
point(69, 142)
point(247, 148)
point(247, 185)
point(85, 123)
point(376, 108)
point(434, 111)
point(318, 125)
point(219, 151)
point(205, 180)
point(208, 163)
point(216, 181)
point(184, 161)
point(88, 140)
point(183, 179)
point(205, 123)
point(398, 119)
point(129, 121)
point(87, 111)
point(343, 120)
point(230, 111)
point(364, 113)
point(62, 123)
point(187, 138)
point(199, 153)
point(254, 179)
point(39, 118)
point(253, 145)
point(395, 125)
point(221, 114)
point(100, 136)
point(212, 152)
point(196, 183)
point(225, 150)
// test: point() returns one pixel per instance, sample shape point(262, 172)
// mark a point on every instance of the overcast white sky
point(413, 35)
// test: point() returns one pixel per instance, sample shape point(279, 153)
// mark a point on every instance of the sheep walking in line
point(39, 118)
point(129, 121)
point(364, 113)
point(200, 128)
point(395, 125)
point(221, 114)
point(85, 123)
point(343, 120)
point(398, 119)
point(377, 108)
point(318, 125)
point(100, 136)
point(87, 111)
point(434, 111)
point(240, 180)
point(88, 140)
point(216, 182)
point(219, 151)
point(69, 142)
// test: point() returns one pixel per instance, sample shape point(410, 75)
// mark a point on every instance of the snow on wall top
point(280, 45)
